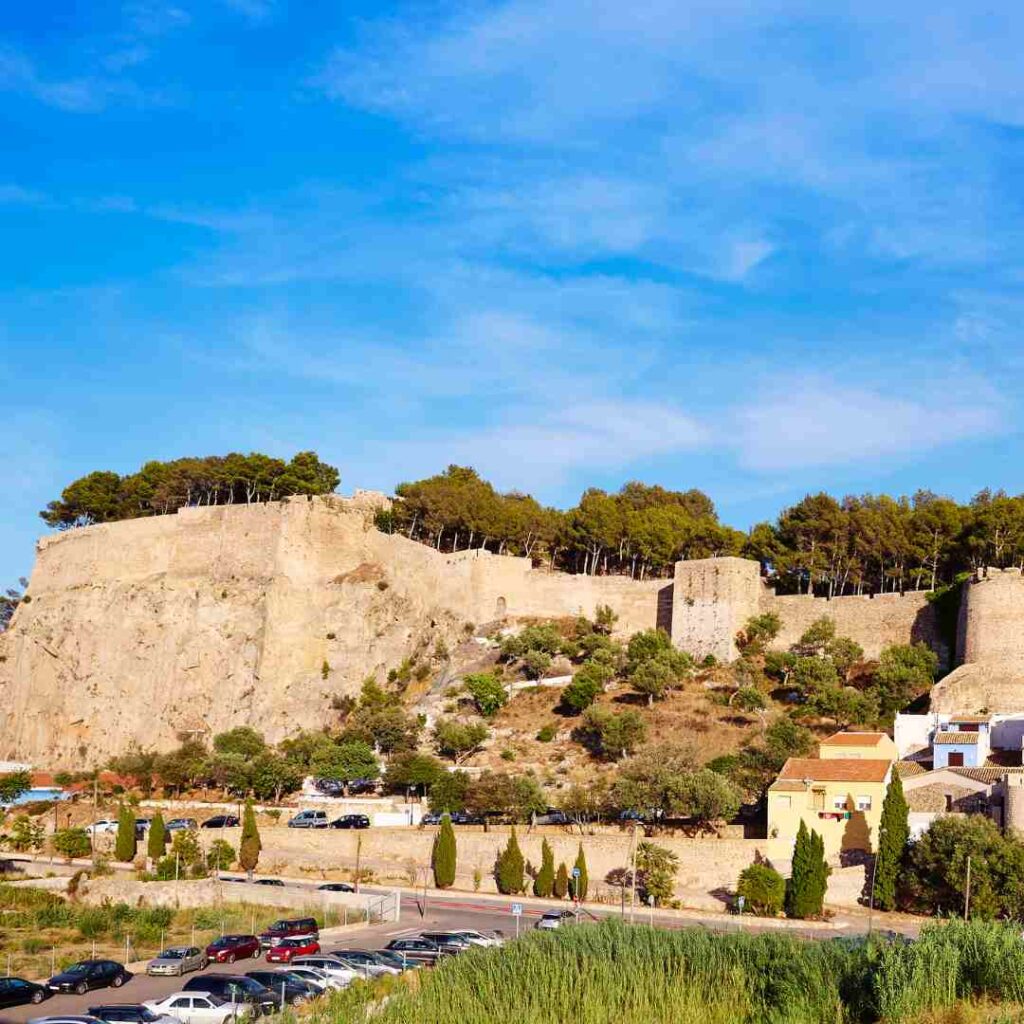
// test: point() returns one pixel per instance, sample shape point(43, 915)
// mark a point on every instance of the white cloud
point(817, 421)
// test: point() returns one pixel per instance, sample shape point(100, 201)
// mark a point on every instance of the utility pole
point(967, 895)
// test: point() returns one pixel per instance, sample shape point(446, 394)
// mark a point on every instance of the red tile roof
point(855, 739)
point(840, 769)
point(955, 739)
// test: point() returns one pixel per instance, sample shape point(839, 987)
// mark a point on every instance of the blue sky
point(757, 248)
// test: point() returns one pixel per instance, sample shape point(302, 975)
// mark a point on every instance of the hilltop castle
point(149, 629)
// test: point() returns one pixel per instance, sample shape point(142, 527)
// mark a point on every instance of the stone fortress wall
point(150, 629)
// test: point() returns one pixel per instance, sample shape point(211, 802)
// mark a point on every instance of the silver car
point(178, 960)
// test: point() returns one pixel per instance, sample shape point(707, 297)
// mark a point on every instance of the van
point(309, 819)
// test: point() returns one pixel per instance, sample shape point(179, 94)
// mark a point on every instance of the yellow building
point(840, 798)
point(849, 745)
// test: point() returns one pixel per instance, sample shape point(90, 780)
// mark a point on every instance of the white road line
point(403, 931)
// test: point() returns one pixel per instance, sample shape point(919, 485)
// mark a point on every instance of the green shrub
point(509, 870)
point(546, 733)
point(443, 855)
point(763, 890)
point(488, 694)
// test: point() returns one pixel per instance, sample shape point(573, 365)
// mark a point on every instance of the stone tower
point(712, 599)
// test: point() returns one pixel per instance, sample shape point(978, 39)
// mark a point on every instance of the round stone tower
point(992, 617)
point(1013, 803)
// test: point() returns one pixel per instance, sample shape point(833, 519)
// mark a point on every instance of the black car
point(336, 887)
point(351, 821)
point(292, 987)
point(269, 881)
point(130, 1013)
point(16, 991)
point(236, 988)
point(421, 950)
point(221, 821)
point(448, 942)
point(88, 974)
point(464, 818)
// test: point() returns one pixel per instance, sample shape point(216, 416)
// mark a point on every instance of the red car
point(229, 948)
point(302, 945)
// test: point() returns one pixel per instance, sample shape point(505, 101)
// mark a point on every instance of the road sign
point(575, 872)
point(517, 909)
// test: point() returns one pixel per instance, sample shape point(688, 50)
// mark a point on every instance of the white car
point(315, 977)
point(475, 938)
point(554, 919)
point(198, 1008)
point(106, 825)
point(331, 966)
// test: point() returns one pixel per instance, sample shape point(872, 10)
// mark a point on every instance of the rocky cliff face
point(215, 617)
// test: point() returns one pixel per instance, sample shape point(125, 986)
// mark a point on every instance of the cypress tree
point(799, 877)
point(579, 884)
point(819, 875)
point(894, 832)
point(509, 870)
point(250, 846)
point(124, 845)
point(443, 855)
point(544, 883)
point(157, 841)
point(562, 882)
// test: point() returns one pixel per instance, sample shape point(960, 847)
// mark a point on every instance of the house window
point(839, 803)
point(863, 803)
point(783, 801)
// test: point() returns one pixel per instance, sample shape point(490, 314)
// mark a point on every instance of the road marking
point(402, 931)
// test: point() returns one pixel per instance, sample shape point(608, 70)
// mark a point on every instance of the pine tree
point(124, 845)
point(250, 846)
point(157, 841)
point(894, 832)
point(562, 882)
point(509, 870)
point(443, 855)
point(799, 877)
point(580, 882)
point(544, 883)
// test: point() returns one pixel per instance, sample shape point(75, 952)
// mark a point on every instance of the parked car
point(422, 950)
point(229, 948)
point(292, 989)
point(200, 1008)
point(393, 959)
point(332, 966)
point(552, 817)
point(287, 949)
point(366, 960)
point(554, 919)
point(336, 887)
point(464, 818)
point(18, 991)
point(221, 821)
point(81, 1018)
point(104, 825)
point(475, 938)
point(330, 787)
point(449, 942)
point(131, 1013)
point(268, 881)
point(288, 928)
point(89, 974)
point(142, 827)
point(181, 824)
point(236, 988)
point(309, 819)
point(313, 976)
point(351, 821)
point(178, 960)
point(431, 819)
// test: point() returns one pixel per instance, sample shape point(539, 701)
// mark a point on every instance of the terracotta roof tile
point(907, 769)
point(855, 739)
point(957, 739)
point(840, 769)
